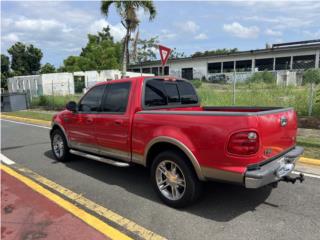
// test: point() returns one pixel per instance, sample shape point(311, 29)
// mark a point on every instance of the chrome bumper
point(272, 171)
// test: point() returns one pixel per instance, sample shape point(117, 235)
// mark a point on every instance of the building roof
point(276, 48)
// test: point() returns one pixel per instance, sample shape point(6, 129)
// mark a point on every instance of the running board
point(100, 159)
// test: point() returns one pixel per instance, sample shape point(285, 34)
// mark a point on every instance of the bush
point(312, 75)
point(196, 83)
point(262, 77)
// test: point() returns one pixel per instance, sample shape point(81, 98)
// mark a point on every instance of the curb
point(310, 161)
point(27, 120)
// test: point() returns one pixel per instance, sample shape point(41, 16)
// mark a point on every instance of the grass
point(258, 95)
point(311, 146)
point(53, 102)
point(31, 114)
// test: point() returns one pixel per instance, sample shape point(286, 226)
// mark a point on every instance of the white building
point(63, 83)
point(294, 57)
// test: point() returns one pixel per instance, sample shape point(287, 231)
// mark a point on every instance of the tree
point(312, 75)
point(5, 70)
point(47, 68)
point(100, 53)
point(128, 12)
point(175, 54)
point(144, 50)
point(25, 59)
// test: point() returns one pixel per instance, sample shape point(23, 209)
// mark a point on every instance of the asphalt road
point(224, 211)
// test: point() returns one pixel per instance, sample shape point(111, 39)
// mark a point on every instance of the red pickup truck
point(158, 122)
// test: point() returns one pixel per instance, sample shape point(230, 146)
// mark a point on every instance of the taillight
point(244, 143)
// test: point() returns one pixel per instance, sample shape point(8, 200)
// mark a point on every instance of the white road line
point(28, 124)
point(307, 174)
point(6, 160)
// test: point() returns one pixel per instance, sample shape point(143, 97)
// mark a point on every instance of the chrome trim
point(218, 113)
point(273, 171)
point(137, 158)
point(100, 159)
point(114, 153)
point(221, 175)
point(181, 146)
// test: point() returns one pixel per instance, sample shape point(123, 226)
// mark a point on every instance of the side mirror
point(71, 106)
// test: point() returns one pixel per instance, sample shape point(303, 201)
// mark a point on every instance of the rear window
point(163, 93)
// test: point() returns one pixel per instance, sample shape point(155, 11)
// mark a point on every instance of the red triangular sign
point(164, 54)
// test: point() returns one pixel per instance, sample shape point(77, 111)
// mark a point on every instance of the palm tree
point(128, 12)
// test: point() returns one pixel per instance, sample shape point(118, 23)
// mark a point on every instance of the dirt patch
point(309, 122)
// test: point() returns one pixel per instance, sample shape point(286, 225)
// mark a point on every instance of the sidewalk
point(26, 214)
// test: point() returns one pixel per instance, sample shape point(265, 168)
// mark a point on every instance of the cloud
point(282, 22)
point(273, 33)
point(188, 26)
point(117, 31)
point(166, 34)
point(201, 36)
point(237, 30)
point(11, 38)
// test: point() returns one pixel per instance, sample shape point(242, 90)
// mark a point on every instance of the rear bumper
point(272, 171)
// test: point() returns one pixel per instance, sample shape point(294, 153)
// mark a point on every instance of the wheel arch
point(159, 144)
point(59, 127)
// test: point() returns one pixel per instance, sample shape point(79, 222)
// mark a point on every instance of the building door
point(187, 73)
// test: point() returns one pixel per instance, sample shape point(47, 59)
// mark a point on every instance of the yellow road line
point(28, 120)
point(311, 161)
point(100, 210)
point(83, 215)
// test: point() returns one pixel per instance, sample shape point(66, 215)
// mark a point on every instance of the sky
point(60, 28)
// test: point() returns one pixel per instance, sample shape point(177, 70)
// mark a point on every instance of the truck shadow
point(219, 202)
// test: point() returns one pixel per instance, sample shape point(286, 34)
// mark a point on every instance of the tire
point(173, 192)
point(61, 153)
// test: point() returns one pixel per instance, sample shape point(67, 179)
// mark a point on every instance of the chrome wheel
point(170, 180)
point(58, 145)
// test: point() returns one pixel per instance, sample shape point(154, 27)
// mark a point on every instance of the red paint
point(206, 136)
point(28, 215)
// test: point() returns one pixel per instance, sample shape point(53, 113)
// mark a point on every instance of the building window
point(166, 70)
point(155, 71)
point(304, 62)
point(228, 66)
point(265, 64)
point(136, 70)
point(282, 63)
point(146, 70)
point(187, 73)
point(244, 66)
point(214, 67)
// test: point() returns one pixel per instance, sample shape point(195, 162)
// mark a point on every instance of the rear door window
point(116, 98)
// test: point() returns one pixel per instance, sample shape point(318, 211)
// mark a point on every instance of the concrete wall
point(29, 84)
point(62, 83)
point(57, 83)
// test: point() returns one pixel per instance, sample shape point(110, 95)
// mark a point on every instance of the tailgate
point(277, 132)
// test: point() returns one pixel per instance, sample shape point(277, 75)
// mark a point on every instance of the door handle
point(118, 122)
point(89, 120)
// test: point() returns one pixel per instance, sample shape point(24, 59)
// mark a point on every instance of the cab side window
point(116, 98)
point(92, 100)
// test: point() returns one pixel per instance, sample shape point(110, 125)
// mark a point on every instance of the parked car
point(158, 122)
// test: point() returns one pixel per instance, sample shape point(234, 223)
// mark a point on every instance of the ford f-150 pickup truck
point(158, 122)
